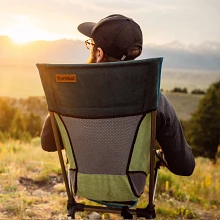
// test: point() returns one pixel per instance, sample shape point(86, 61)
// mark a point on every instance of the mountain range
point(205, 56)
point(184, 65)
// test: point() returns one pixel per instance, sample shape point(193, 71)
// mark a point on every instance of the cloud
point(124, 6)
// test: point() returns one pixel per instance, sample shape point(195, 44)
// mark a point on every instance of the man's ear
point(99, 55)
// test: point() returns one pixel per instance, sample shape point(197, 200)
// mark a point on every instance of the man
point(118, 38)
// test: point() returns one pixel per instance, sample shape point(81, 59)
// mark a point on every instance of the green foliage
point(185, 213)
point(176, 197)
point(178, 213)
point(163, 179)
point(204, 126)
point(198, 91)
point(10, 188)
point(16, 124)
point(33, 124)
point(182, 90)
point(163, 212)
point(6, 115)
point(179, 197)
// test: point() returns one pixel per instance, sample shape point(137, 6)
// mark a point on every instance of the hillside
point(22, 81)
point(184, 104)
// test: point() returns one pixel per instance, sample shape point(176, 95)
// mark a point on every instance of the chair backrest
point(104, 114)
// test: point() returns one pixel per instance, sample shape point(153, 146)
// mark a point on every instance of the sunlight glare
point(23, 35)
point(23, 31)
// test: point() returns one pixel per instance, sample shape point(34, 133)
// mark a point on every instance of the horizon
point(211, 46)
point(171, 43)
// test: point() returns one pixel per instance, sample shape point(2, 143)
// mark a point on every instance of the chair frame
point(73, 206)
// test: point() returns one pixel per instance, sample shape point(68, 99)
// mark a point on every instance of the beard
point(92, 58)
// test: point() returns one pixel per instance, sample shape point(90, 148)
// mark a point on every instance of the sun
point(23, 30)
point(24, 34)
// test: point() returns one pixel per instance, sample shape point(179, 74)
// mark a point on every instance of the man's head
point(113, 38)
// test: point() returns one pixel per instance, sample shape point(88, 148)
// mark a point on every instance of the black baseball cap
point(115, 34)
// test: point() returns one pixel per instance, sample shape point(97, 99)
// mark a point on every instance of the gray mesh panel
point(102, 146)
point(138, 181)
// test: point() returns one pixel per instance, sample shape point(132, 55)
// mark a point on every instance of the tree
point(178, 89)
point(16, 124)
point(7, 114)
point(198, 91)
point(204, 131)
point(33, 125)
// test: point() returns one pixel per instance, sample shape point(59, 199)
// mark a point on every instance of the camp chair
point(104, 114)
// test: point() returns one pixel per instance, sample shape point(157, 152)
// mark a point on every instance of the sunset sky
point(162, 21)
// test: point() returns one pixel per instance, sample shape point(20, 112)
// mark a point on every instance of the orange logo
point(65, 78)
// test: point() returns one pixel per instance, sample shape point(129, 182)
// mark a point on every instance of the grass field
point(31, 187)
point(184, 104)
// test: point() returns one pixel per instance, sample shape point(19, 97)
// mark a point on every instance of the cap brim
point(86, 28)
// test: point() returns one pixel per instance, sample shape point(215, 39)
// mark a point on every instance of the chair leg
point(125, 213)
point(151, 212)
point(147, 213)
point(71, 213)
point(71, 207)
